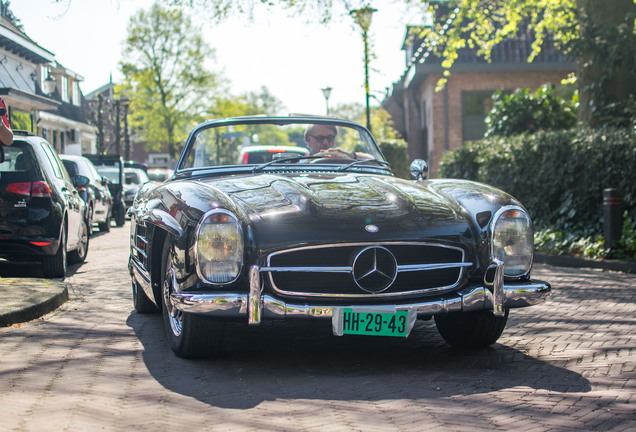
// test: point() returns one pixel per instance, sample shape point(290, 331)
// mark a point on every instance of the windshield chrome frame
point(365, 135)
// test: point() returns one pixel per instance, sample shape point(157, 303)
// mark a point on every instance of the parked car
point(332, 236)
point(255, 154)
point(43, 217)
point(134, 178)
point(112, 167)
point(95, 194)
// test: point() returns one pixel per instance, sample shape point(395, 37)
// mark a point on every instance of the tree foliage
point(165, 76)
point(526, 111)
point(600, 35)
point(323, 10)
point(250, 103)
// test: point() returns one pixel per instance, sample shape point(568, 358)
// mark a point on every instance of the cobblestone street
point(93, 364)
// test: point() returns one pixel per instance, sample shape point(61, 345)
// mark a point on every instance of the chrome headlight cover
point(512, 240)
point(218, 248)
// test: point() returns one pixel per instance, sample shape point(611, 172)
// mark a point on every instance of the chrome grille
point(328, 270)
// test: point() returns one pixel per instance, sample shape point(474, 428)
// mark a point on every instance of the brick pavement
point(95, 365)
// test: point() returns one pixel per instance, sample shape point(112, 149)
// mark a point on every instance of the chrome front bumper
point(256, 306)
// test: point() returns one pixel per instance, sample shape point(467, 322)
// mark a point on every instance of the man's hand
point(336, 152)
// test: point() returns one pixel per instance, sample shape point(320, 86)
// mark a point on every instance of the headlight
point(513, 240)
point(219, 247)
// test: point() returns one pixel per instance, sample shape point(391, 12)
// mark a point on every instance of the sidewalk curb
point(37, 298)
point(573, 261)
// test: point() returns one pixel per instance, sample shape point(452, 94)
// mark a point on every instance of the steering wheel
point(332, 160)
point(333, 156)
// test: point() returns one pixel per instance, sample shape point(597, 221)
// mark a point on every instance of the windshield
point(256, 142)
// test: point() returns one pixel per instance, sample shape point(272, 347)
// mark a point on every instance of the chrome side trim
point(138, 273)
point(141, 277)
point(472, 298)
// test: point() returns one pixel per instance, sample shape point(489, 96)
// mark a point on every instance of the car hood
point(341, 207)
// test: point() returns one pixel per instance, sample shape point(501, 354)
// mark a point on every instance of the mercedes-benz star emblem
point(374, 269)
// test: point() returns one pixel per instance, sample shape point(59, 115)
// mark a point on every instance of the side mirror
point(80, 180)
point(419, 170)
point(105, 181)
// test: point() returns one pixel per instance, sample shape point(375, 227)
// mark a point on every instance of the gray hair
point(311, 127)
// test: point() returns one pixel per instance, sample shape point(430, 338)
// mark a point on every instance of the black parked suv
point(112, 167)
point(42, 216)
point(95, 194)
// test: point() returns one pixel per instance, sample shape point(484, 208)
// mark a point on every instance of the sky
point(294, 59)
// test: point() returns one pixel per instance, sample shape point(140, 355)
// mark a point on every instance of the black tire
point(471, 329)
point(105, 226)
point(189, 335)
point(89, 217)
point(141, 302)
point(78, 255)
point(120, 217)
point(54, 266)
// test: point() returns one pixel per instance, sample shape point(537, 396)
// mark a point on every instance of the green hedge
point(558, 176)
point(396, 153)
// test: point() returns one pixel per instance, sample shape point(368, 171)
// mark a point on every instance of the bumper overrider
point(494, 294)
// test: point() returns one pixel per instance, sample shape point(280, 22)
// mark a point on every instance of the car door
point(74, 203)
point(102, 195)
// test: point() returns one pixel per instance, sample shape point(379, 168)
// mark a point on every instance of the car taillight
point(40, 190)
point(34, 189)
point(19, 188)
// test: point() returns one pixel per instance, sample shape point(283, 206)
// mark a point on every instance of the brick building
point(41, 95)
point(433, 122)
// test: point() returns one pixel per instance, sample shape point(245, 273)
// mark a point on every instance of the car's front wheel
point(189, 335)
point(90, 215)
point(471, 329)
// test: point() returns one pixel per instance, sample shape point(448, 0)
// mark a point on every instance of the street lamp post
point(126, 103)
point(120, 103)
point(117, 128)
point(326, 92)
point(363, 18)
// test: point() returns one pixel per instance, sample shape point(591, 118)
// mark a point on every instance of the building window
point(475, 108)
point(76, 94)
point(64, 89)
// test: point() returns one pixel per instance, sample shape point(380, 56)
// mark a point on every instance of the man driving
point(321, 140)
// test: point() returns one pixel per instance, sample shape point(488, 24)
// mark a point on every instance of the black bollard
point(612, 217)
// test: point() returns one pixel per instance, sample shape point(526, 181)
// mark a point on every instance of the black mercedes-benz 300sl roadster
point(328, 235)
